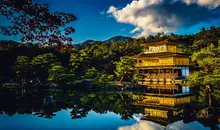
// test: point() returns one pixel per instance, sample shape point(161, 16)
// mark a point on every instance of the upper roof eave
point(167, 42)
point(161, 54)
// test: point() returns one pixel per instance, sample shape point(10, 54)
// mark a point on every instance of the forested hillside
point(25, 62)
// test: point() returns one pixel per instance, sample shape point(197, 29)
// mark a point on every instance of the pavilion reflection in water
point(164, 69)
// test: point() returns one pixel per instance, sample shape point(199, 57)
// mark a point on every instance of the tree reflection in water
point(79, 104)
point(46, 104)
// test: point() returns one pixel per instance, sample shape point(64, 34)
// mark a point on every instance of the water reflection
point(46, 104)
point(117, 107)
point(179, 125)
point(143, 125)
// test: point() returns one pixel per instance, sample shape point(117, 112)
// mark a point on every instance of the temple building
point(163, 66)
point(164, 69)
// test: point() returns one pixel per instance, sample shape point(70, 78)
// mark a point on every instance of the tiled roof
point(167, 41)
point(160, 54)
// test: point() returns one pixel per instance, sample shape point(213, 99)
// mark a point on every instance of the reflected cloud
point(180, 125)
point(143, 125)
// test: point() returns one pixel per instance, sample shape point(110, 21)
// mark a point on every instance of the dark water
point(82, 111)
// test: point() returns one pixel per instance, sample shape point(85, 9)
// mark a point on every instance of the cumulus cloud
point(153, 16)
point(211, 4)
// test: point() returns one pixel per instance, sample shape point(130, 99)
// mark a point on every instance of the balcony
point(161, 75)
point(160, 64)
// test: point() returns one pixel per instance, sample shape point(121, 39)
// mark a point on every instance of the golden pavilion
point(164, 69)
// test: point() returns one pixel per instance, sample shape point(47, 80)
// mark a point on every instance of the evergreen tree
point(123, 67)
point(60, 74)
point(23, 68)
point(42, 63)
point(207, 57)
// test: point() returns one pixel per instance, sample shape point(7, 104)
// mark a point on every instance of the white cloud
point(211, 4)
point(144, 17)
point(154, 16)
point(137, 29)
point(111, 9)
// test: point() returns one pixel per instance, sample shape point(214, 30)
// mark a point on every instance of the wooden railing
point(161, 64)
point(161, 75)
point(162, 86)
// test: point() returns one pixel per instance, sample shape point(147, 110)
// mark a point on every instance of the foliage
point(75, 60)
point(206, 37)
point(45, 60)
point(208, 60)
point(103, 78)
point(123, 67)
point(45, 67)
point(42, 63)
point(207, 56)
point(60, 75)
point(138, 76)
point(79, 59)
point(90, 73)
point(35, 22)
point(187, 49)
point(23, 68)
point(86, 61)
point(101, 56)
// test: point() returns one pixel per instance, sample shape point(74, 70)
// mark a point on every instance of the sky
point(103, 19)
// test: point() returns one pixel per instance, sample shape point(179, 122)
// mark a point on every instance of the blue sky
point(95, 23)
point(91, 23)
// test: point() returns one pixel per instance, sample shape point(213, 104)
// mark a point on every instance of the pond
point(84, 111)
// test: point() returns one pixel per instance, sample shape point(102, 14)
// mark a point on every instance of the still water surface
point(94, 121)
point(77, 111)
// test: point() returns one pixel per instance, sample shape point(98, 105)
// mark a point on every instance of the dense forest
point(23, 62)
point(100, 61)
